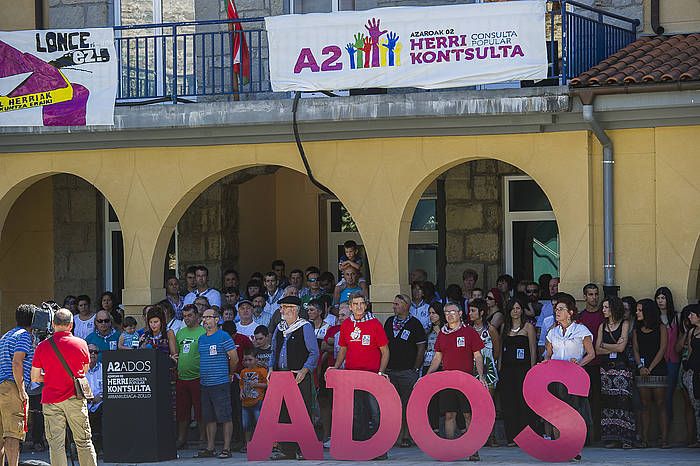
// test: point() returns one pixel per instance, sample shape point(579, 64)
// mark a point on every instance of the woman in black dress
point(649, 341)
point(618, 425)
point(519, 354)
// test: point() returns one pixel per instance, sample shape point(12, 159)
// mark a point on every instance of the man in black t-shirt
point(406, 350)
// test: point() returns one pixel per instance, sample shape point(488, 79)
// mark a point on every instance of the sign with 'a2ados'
point(283, 387)
point(425, 47)
point(59, 77)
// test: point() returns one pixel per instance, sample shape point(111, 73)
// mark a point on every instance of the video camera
point(42, 325)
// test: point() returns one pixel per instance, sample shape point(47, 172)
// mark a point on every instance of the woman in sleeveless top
point(518, 355)
point(649, 342)
point(478, 310)
point(495, 317)
point(669, 318)
point(691, 375)
point(617, 423)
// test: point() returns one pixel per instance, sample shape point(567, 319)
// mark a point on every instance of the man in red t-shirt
point(363, 347)
point(61, 405)
point(458, 348)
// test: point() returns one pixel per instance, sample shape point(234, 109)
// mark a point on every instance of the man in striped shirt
point(217, 364)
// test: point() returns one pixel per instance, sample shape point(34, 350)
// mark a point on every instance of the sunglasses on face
point(102, 321)
point(531, 291)
point(92, 351)
point(312, 280)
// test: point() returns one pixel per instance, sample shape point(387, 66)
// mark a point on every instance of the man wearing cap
point(294, 348)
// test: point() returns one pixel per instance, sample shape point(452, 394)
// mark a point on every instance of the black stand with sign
point(138, 423)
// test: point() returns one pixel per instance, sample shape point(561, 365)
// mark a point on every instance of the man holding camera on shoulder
point(56, 357)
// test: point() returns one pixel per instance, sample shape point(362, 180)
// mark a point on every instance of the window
point(113, 252)
point(531, 232)
point(328, 6)
point(423, 238)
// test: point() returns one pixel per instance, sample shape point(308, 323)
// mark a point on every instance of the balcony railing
point(186, 61)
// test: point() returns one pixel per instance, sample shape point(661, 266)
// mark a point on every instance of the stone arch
point(571, 213)
point(35, 265)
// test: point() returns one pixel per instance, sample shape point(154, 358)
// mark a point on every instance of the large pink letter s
point(571, 426)
point(283, 387)
point(344, 383)
point(483, 415)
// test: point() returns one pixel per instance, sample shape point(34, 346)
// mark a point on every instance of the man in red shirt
point(363, 347)
point(58, 397)
point(458, 348)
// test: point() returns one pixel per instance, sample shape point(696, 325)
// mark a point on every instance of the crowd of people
point(224, 345)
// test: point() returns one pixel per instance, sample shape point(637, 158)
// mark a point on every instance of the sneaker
point(277, 455)
point(327, 444)
point(576, 459)
point(299, 456)
point(475, 457)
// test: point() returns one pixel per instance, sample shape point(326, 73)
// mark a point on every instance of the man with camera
point(62, 401)
point(16, 349)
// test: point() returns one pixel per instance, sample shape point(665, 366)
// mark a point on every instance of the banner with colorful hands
point(57, 77)
point(423, 47)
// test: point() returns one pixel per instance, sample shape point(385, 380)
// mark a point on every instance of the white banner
point(58, 77)
point(425, 47)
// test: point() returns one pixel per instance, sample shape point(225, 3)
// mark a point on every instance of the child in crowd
point(129, 339)
point(350, 261)
point(253, 383)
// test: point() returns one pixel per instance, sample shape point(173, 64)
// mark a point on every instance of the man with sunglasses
point(534, 307)
point(105, 337)
point(313, 286)
point(94, 378)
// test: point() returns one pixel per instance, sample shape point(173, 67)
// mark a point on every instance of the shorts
point(13, 411)
point(216, 403)
point(188, 395)
point(453, 401)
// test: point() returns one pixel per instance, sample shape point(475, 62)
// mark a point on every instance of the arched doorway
point(488, 216)
point(60, 237)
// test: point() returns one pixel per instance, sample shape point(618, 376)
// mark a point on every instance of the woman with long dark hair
point(494, 300)
point(617, 423)
point(691, 376)
point(649, 340)
point(690, 369)
point(664, 299)
point(518, 355)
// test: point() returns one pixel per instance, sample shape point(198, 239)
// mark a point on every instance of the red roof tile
point(649, 59)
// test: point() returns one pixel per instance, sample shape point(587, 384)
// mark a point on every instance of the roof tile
point(649, 59)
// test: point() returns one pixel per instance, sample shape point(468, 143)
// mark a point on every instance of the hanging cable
point(317, 183)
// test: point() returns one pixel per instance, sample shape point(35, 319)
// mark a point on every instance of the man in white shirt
point(94, 378)
point(272, 292)
point(202, 280)
point(247, 325)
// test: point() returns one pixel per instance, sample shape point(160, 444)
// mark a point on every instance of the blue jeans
point(250, 415)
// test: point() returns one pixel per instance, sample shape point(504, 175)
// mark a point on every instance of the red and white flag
point(241, 54)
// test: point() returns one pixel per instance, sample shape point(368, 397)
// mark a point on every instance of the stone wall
point(80, 13)
point(474, 220)
point(208, 231)
point(78, 237)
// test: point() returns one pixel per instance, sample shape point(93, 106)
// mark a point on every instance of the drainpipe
point(609, 287)
point(656, 17)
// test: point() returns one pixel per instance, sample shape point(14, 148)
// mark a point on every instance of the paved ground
point(492, 456)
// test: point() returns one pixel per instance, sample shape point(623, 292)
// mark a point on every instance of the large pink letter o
point(483, 415)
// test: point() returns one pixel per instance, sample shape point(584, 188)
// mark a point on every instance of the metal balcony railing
point(187, 61)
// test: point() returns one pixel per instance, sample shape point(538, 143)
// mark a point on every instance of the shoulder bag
point(82, 387)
